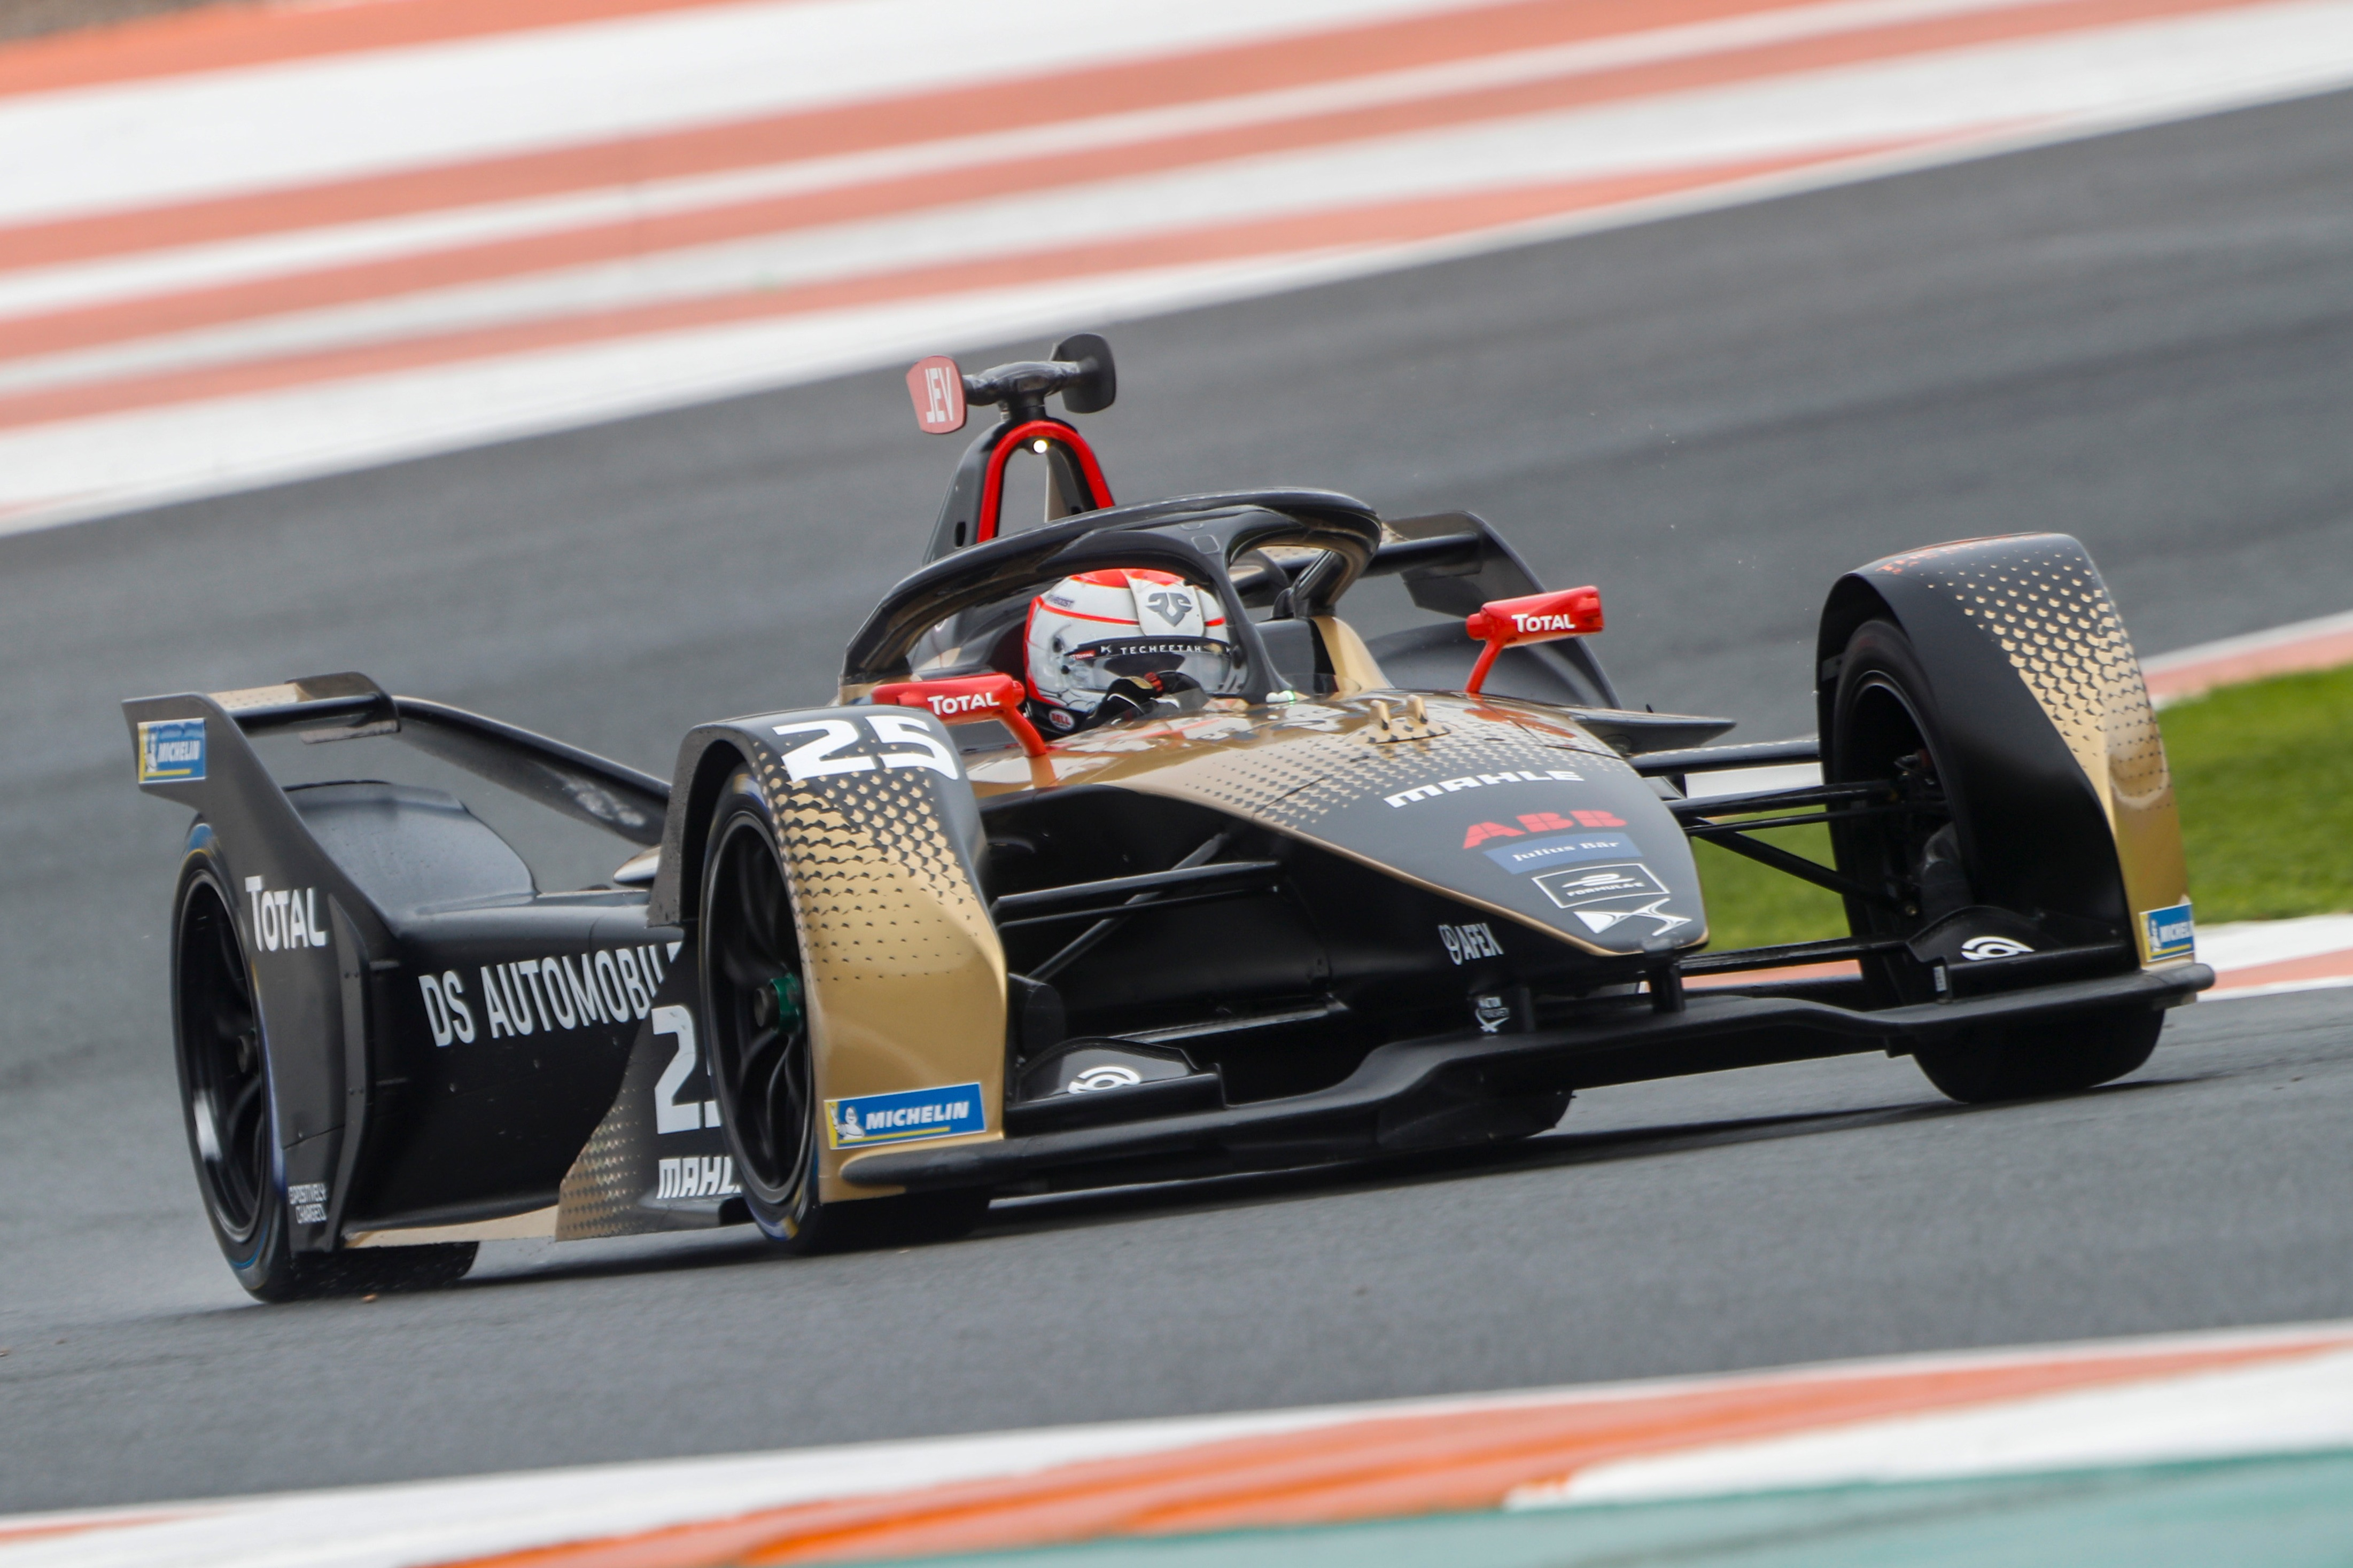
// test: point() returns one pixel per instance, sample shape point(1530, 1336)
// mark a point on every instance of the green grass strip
point(2264, 774)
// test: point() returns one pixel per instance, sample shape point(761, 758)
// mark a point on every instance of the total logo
point(1482, 781)
point(948, 707)
point(1466, 942)
point(1524, 624)
point(1983, 947)
point(285, 918)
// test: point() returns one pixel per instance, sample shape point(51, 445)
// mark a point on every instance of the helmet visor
point(1096, 665)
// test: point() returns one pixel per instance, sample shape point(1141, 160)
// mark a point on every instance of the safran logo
point(2171, 933)
point(170, 751)
point(902, 1118)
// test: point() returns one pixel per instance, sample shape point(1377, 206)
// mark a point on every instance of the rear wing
point(178, 738)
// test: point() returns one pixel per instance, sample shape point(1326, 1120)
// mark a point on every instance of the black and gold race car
point(1257, 892)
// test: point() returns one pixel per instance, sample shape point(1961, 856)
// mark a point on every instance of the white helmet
point(1087, 633)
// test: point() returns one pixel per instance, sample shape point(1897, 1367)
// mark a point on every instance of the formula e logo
point(1982, 947)
point(287, 918)
point(171, 750)
point(1464, 944)
point(1603, 896)
point(904, 1117)
point(1169, 605)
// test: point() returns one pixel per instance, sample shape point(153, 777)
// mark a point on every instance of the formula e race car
point(1122, 853)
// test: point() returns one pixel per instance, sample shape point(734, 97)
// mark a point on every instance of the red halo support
point(967, 700)
point(1538, 617)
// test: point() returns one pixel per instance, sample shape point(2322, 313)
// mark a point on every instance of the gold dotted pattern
point(2043, 601)
point(1296, 780)
point(876, 881)
point(905, 974)
point(599, 1194)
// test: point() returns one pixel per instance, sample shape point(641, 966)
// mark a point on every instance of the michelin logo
point(869, 1119)
point(170, 751)
point(2171, 933)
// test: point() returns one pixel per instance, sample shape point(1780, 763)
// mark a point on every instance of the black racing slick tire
point(763, 1066)
point(1922, 862)
point(223, 1057)
point(2061, 1057)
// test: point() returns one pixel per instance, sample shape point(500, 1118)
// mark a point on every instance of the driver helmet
point(1088, 633)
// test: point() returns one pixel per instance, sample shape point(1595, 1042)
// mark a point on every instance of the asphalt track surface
point(2144, 339)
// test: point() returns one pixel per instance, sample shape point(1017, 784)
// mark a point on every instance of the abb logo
point(1540, 822)
point(962, 700)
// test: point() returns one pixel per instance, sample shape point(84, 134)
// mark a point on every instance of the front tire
point(224, 1069)
point(762, 1064)
point(1884, 726)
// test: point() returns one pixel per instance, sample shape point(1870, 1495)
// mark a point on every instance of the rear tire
point(224, 1070)
point(761, 1066)
point(1884, 726)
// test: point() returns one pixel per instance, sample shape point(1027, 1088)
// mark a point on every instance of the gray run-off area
point(2145, 340)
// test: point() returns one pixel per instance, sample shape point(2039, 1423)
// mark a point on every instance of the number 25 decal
point(831, 752)
point(672, 1115)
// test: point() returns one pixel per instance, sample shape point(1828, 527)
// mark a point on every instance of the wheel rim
point(1882, 734)
point(760, 1045)
point(221, 1053)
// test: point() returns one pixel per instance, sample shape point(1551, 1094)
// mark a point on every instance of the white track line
point(1977, 99)
point(2303, 1406)
point(411, 1524)
point(182, 138)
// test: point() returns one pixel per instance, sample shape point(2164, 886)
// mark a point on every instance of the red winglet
point(1538, 617)
point(965, 699)
point(937, 388)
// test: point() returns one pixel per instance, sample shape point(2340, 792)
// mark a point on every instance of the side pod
point(2047, 726)
point(880, 838)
